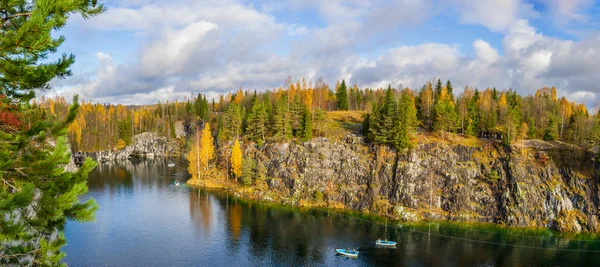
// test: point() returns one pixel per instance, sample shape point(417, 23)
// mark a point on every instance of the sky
point(145, 51)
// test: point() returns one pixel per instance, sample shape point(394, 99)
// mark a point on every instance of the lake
point(145, 220)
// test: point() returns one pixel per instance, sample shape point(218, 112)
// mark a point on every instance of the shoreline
point(491, 228)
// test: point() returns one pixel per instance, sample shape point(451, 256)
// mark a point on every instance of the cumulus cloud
point(217, 46)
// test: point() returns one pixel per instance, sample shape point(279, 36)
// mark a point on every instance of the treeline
point(299, 110)
point(493, 114)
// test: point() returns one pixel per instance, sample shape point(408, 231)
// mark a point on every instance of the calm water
point(144, 220)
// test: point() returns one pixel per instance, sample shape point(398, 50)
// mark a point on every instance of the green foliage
point(248, 167)
point(551, 131)
point(318, 196)
point(406, 119)
point(261, 171)
point(257, 121)
point(450, 90)
point(280, 120)
point(37, 195)
point(342, 96)
point(445, 116)
point(494, 177)
point(307, 128)
point(201, 107)
point(392, 122)
point(233, 120)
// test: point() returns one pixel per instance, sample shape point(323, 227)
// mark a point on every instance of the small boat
point(347, 252)
point(171, 164)
point(176, 183)
point(385, 243)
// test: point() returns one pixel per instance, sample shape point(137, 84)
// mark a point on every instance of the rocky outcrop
point(532, 184)
point(145, 145)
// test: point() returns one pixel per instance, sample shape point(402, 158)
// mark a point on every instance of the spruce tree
point(37, 195)
point(438, 90)
point(342, 96)
point(385, 120)
point(450, 90)
point(306, 125)
point(406, 119)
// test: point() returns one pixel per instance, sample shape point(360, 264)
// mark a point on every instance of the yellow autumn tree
point(76, 130)
point(239, 96)
point(236, 159)
point(201, 153)
point(502, 106)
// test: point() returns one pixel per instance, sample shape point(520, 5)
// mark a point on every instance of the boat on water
point(176, 183)
point(352, 253)
point(385, 243)
point(171, 164)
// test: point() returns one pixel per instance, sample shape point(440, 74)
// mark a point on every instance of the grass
point(342, 123)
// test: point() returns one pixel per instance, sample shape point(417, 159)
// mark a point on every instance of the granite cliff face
point(145, 145)
point(531, 184)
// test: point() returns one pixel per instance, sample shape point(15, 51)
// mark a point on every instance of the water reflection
point(144, 220)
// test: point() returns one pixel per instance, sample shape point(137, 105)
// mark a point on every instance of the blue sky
point(143, 51)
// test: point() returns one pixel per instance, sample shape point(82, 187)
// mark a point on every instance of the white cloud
point(485, 51)
point(217, 46)
point(493, 14)
point(565, 11)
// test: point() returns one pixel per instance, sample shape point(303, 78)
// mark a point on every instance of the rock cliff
point(530, 184)
point(145, 145)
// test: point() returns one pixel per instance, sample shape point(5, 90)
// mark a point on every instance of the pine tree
point(551, 131)
point(236, 159)
point(342, 96)
point(37, 196)
point(445, 114)
point(233, 120)
point(306, 125)
point(406, 119)
point(248, 166)
point(438, 90)
point(450, 90)
point(385, 121)
point(257, 122)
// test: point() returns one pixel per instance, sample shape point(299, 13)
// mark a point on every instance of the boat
point(171, 164)
point(176, 183)
point(347, 252)
point(385, 243)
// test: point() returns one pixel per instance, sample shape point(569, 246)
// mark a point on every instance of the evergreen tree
point(233, 120)
point(37, 196)
point(551, 131)
point(450, 90)
point(406, 119)
point(257, 122)
point(385, 121)
point(342, 96)
point(445, 114)
point(438, 90)
point(248, 166)
point(306, 125)
point(280, 119)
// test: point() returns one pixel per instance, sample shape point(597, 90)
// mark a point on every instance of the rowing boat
point(347, 252)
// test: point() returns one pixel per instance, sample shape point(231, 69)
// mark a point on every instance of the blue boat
point(385, 243)
point(352, 253)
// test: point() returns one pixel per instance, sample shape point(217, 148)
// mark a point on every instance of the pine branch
point(24, 14)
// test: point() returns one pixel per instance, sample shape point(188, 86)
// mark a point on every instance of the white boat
point(176, 183)
point(347, 252)
point(385, 243)
point(171, 164)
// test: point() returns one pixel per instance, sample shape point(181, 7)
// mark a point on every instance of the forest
point(301, 110)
